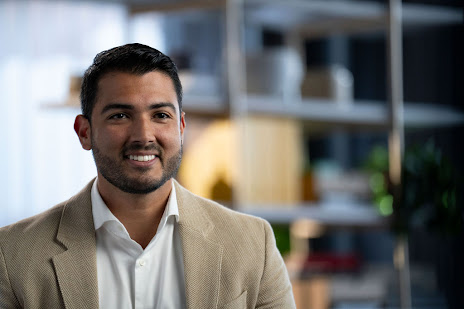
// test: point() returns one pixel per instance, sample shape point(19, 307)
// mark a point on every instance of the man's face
point(136, 131)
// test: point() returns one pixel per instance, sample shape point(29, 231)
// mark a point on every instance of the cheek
point(108, 139)
point(169, 138)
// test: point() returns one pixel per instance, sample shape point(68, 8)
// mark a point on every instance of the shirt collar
point(102, 214)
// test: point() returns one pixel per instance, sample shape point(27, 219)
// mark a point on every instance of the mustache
point(139, 146)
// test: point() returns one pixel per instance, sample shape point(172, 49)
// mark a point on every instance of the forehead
point(123, 87)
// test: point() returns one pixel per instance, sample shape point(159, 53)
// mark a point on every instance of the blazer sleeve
point(275, 288)
point(7, 298)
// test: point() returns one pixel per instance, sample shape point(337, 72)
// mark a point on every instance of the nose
point(142, 131)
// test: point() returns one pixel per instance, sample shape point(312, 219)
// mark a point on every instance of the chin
point(138, 187)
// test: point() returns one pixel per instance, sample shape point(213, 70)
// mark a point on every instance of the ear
point(83, 131)
point(182, 126)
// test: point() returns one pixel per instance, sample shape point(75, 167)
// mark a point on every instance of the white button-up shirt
point(131, 277)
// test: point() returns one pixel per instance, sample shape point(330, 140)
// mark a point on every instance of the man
point(133, 237)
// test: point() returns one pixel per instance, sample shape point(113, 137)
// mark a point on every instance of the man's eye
point(118, 116)
point(162, 116)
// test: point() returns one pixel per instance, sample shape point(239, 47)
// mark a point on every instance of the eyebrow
point(131, 107)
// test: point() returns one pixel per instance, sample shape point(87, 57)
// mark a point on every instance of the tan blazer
point(230, 259)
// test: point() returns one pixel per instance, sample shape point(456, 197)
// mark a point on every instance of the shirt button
point(141, 262)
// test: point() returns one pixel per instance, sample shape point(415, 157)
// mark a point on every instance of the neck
point(139, 213)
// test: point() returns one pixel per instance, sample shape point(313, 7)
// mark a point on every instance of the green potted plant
point(429, 191)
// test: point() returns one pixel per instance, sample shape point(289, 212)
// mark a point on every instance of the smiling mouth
point(145, 158)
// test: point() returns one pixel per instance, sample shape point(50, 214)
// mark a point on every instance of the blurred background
point(289, 114)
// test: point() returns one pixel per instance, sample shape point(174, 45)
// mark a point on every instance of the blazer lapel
point(202, 256)
point(76, 267)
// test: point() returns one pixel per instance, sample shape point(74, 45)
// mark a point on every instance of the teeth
point(142, 158)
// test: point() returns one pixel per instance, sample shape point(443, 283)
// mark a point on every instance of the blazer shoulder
point(38, 226)
point(33, 226)
point(197, 209)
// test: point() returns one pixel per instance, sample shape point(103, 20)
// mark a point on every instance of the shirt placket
point(141, 267)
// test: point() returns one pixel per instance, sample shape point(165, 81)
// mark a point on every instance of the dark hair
point(130, 58)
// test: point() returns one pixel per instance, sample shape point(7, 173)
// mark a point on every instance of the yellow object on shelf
point(272, 161)
point(260, 158)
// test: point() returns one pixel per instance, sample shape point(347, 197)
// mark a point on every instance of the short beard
point(113, 172)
